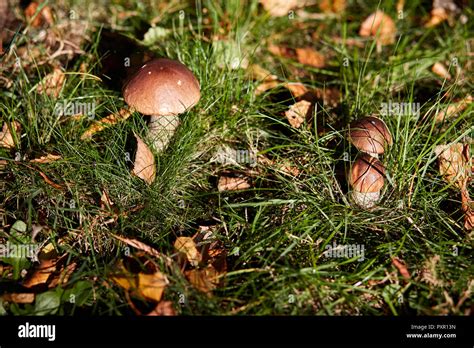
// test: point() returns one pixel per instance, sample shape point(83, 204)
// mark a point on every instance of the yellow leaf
point(204, 280)
point(144, 166)
point(152, 286)
point(46, 159)
point(187, 246)
point(108, 121)
point(6, 136)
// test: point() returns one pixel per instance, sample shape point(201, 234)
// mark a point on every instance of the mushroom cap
point(367, 174)
point(370, 134)
point(162, 87)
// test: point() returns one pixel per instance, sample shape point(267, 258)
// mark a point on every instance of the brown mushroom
point(366, 179)
point(371, 135)
point(162, 88)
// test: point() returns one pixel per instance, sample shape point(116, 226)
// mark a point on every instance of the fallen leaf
point(106, 122)
point(380, 26)
point(19, 298)
point(52, 83)
point(309, 56)
point(453, 163)
point(453, 109)
point(468, 209)
point(3, 164)
point(44, 16)
point(46, 159)
point(152, 286)
point(402, 268)
point(297, 89)
point(298, 113)
point(64, 276)
point(265, 86)
point(257, 73)
point(440, 70)
point(163, 308)
point(186, 246)
point(142, 246)
point(335, 6)
point(50, 182)
point(41, 274)
point(6, 137)
point(282, 51)
point(204, 280)
point(227, 183)
point(438, 15)
point(144, 166)
point(105, 201)
point(278, 8)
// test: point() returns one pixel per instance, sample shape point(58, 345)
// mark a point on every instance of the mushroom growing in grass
point(370, 135)
point(366, 179)
point(162, 88)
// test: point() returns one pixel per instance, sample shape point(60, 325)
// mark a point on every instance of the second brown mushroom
point(366, 179)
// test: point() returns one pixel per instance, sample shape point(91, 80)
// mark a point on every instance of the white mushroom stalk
point(161, 130)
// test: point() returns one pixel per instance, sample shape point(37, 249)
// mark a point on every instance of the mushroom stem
point(162, 129)
point(365, 200)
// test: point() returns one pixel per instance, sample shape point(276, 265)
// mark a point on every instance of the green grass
point(275, 232)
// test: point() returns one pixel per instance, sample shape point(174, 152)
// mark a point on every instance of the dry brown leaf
point(467, 208)
point(187, 246)
point(297, 89)
point(265, 86)
point(438, 15)
point(227, 183)
point(309, 56)
point(19, 298)
point(52, 83)
point(144, 166)
point(44, 16)
point(3, 164)
point(278, 8)
point(282, 51)
point(164, 308)
point(329, 96)
point(141, 246)
point(402, 268)
point(204, 280)
point(64, 276)
point(6, 137)
point(46, 159)
point(105, 200)
point(257, 73)
point(454, 166)
point(50, 182)
point(380, 26)
point(152, 286)
point(453, 109)
point(108, 121)
point(298, 113)
point(335, 6)
point(440, 70)
point(41, 274)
